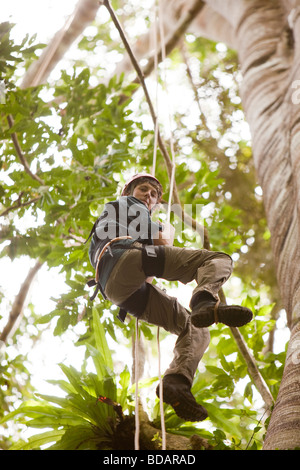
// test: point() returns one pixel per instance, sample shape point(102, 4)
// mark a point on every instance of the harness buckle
point(150, 250)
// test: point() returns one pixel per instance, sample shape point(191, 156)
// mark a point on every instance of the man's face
point(146, 193)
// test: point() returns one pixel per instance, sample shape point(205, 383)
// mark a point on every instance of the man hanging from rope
point(127, 249)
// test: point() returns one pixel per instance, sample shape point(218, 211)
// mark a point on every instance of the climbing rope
point(156, 127)
point(163, 54)
point(161, 401)
point(137, 421)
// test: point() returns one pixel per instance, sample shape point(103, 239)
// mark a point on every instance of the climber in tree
point(127, 250)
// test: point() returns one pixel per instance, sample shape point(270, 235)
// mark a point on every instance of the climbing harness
point(108, 248)
point(153, 261)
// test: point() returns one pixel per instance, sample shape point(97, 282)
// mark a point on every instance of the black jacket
point(123, 217)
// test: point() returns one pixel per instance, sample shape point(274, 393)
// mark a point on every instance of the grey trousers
point(209, 269)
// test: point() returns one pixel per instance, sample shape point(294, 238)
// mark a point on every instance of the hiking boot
point(177, 393)
point(206, 312)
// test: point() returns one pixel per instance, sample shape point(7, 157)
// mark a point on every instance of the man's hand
point(166, 236)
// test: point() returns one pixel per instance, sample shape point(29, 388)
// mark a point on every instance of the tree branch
point(171, 41)
point(20, 153)
point(18, 205)
point(18, 304)
point(253, 370)
point(141, 79)
point(174, 36)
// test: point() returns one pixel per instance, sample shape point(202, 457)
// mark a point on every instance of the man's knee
point(223, 264)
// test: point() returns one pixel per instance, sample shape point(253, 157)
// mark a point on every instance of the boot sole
point(183, 409)
point(230, 315)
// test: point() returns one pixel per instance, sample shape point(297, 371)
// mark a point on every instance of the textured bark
point(150, 437)
point(284, 427)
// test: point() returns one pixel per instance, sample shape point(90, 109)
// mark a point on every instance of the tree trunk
point(267, 45)
point(284, 427)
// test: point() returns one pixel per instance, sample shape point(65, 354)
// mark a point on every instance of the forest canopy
point(68, 146)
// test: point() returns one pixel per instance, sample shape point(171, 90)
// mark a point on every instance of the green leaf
point(74, 378)
point(216, 370)
point(38, 440)
point(100, 339)
point(124, 383)
point(248, 392)
point(81, 438)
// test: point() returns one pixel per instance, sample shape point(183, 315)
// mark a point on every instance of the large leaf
point(38, 440)
point(101, 343)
